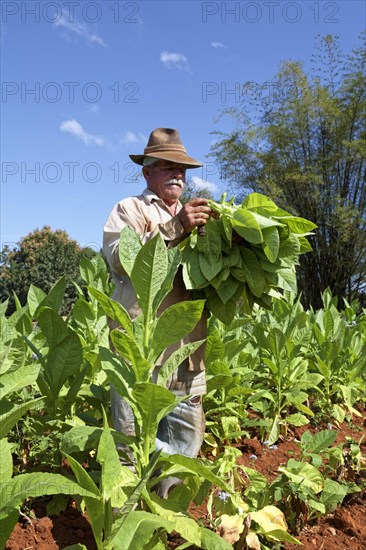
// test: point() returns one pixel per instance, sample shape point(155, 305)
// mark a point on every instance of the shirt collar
point(150, 197)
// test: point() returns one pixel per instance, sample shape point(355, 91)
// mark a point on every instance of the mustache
point(174, 181)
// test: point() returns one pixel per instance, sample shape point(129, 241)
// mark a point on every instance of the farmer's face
point(166, 179)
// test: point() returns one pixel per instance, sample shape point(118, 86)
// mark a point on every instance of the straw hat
point(165, 144)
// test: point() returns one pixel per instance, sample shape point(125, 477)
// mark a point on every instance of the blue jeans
point(180, 432)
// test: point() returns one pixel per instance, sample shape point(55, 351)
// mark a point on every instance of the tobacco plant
point(284, 363)
point(338, 353)
point(138, 343)
point(248, 255)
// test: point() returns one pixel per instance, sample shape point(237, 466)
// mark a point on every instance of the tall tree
point(41, 258)
point(305, 146)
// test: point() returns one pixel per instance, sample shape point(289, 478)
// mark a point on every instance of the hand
point(194, 213)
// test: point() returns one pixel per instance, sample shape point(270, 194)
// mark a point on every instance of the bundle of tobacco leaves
point(247, 255)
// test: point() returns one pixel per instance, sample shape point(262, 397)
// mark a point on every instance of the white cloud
point(74, 127)
point(79, 29)
point(204, 184)
point(173, 60)
point(133, 138)
point(93, 108)
point(218, 45)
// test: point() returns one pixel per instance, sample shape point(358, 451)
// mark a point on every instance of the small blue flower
point(253, 457)
point(330, 426)
point(273, 447)
point(223, 496)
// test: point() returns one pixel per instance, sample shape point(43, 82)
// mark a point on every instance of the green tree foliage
point(41, 258)
point(191, 190)
point(305, 146)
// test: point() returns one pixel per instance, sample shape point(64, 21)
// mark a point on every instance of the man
point(158, 209)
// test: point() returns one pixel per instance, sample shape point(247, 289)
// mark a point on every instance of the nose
point(179, 172)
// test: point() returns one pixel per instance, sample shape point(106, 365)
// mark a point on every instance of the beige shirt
point(147, 214)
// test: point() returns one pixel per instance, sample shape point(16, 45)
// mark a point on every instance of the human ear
point(146, 173)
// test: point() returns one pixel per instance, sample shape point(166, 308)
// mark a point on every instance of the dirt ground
point(344, 529)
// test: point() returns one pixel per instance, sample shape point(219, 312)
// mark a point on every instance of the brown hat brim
point(172, 156)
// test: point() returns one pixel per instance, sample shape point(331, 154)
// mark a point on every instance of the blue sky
point(84, 83)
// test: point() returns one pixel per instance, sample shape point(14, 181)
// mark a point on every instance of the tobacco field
point(284, 449)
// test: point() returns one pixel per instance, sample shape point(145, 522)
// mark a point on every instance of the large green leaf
point(54, 297)
point(34, 298)
point(129, 247)
point(224, 312)
point(300, 226)
point(173, 324)
point(149, 273)
point(210, 266)
point(209, 244)
point(332, 495)
point(136, 530)
point(87, 270)
point(81, 438)
point(226, 229)
point(113, 363)
point(127, 347)
point(175, 359)
point(253, 271)
point(187, 527)
point(53, 326)
point(276, 341)
point(180, 464)
point(63, 360)
point(139, 488)
point(6, 460)
point(15, 380)
point(7, 524)
point(297, 419)
point(281, 535)
point(271, 243)
point(319, 441)
point(304, 474)
point(84, 315)
point(113, 309)
point(257, 480)
point(214, 348)
point(266, 222)
point(154, 402)
point(227, 289)
point(289, 247)
point(256, 201)
point(212, 541)
point(36, 484)
point(4, 307)
point(11, 413)
point(192, 275)
point(107, 457)
point(305, 246)
point(95, 505)
point(246, 226)
point(286, 279)
point(174, 260)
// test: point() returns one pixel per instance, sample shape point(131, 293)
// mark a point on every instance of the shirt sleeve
point(128, 213)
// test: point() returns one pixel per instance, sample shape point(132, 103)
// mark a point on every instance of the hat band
point(161, 148)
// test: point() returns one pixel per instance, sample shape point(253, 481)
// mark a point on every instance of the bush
point(41, 258)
